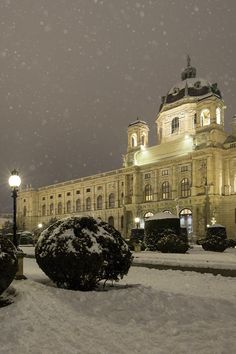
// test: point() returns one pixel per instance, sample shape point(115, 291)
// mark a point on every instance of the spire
point(188, 61)
point(189, 71)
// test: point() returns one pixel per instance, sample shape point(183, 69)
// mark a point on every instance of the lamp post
point(137, 221)
point(14, 182)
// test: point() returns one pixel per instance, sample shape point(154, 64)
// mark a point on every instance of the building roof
point(191, 86)
point(164, 151)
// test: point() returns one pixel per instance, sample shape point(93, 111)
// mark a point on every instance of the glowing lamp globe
point(14, 180)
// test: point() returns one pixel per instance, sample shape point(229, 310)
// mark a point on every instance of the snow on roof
point(162, 215)
point(190, 82)
point(216, 225)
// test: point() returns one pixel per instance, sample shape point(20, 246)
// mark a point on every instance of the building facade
point(191, 171)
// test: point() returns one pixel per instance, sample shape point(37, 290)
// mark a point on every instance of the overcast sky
point(75, 73)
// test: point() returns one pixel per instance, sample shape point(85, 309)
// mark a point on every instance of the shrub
point(172, 243)
point(8, 263)
point(214, 243)
point(231, 243)
point(78, 252)
point(156, 226)
point(216, 230)
point(215, 239)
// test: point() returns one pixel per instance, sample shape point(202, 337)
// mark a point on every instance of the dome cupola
point(190, 71)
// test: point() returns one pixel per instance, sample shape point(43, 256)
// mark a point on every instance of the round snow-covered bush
point(169, 242)
point(8, 263)
point(78, 252)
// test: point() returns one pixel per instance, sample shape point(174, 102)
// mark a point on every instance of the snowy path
point(150, 311)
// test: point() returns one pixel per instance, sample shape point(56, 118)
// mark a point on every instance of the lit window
point(165, 190)
point(185, 187)
point(164, 172)
point(148, 193)
point(218, 115)
point(143, 139)
point(134, 140)
point(205, 117)
point(175, 125)
point(148, 215)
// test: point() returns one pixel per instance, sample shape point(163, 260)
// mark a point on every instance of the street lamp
point(137, 221)
point(14, 182)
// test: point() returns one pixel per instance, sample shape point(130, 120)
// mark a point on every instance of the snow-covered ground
point(149, 311)
point(195, 257)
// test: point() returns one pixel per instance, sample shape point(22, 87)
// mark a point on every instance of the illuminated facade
point(190, 172)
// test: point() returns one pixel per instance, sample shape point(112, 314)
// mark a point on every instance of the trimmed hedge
point(155, 229)
point(8, 263)
point(172, 243)
point(215, 239)
point(77, 252)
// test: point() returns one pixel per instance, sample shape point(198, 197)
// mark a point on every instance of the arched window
point(51, 209)
point(205, 117)
point(43, 210)
point(148, 193)
point(143, 139)
point(88, 203)
point(165, 188)
point(24, 211)
point(218, 115)
point(111, 221)
point(134, 140)
point(122, 222)
point(77, 205)
point(185, 187)
point(99, 202)
point(174, 125)
point(186, 219)
point(111, 200)
point(59, 208)
point(167, 211)
point(148, 214)
point(68, 206)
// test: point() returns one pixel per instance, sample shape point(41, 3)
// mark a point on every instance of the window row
point(185, 190)
point(205, 119)
point(78, 205)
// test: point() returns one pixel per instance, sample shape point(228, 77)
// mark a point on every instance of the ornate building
point(190, 172)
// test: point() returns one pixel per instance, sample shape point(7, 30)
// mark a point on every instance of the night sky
point(75, 73)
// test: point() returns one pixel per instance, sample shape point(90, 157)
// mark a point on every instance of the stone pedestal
point(20, 272)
